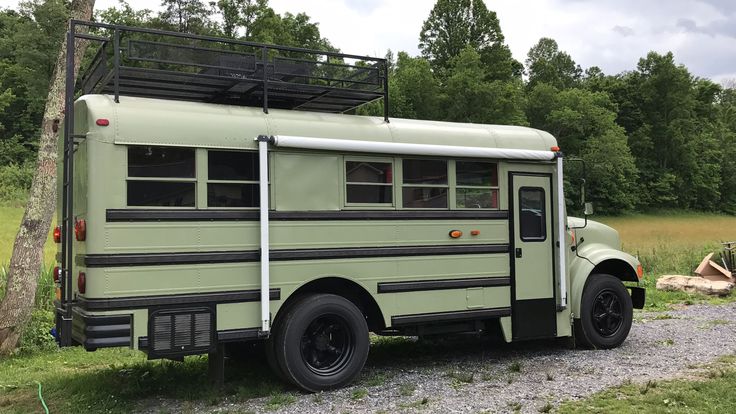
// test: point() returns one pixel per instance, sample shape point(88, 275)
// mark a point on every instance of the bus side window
point(232, 179)
point(161, 176)
point(424, 183)
point(476, 184)
point(368, 182)
point(532, 214)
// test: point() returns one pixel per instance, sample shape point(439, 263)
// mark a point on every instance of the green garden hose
point(40, 397)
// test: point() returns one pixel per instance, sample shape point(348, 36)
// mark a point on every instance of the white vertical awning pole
point(265, 276)
point(561, 234)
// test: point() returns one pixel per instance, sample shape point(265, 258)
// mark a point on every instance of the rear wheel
point(606, 313)
point(321, 343)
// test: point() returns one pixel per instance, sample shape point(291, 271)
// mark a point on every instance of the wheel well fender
point(346, 288)
point(618, 264)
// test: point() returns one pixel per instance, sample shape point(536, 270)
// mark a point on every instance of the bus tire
point(606, 313)
point(322, 342)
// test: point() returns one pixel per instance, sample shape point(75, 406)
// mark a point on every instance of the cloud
point(726, 27)
point(624, 30)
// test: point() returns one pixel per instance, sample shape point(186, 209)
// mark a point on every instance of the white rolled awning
point(328, 144)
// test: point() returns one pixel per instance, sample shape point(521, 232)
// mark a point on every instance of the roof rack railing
point(136, 61)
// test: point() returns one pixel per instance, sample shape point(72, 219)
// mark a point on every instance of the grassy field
point(708, 390)
point(672, 243)
point(9, 221)
point(118, 380)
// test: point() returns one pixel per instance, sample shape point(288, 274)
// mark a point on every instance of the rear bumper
point(107, 331)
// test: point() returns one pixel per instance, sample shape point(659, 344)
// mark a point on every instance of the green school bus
point(210, 197)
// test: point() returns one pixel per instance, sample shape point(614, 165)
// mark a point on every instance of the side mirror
point(588, 209)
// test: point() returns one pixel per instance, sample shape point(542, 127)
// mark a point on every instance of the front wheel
point(322, 342)
point(606, 313)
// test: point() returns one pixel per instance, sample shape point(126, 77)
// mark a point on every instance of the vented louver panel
point(181, 331)
point(202, 331)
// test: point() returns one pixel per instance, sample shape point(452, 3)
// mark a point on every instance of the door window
point(532, 214)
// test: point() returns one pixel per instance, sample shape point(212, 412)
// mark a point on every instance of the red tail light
point(57, 234)
point(82, 282)
point(57, 274)
point(80, 230)
point(102, 122)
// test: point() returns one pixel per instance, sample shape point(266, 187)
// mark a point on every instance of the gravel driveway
point(470, 375)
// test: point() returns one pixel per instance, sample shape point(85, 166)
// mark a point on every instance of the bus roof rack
point(134, 61)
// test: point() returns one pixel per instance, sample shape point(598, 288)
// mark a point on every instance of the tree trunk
point(25, 263)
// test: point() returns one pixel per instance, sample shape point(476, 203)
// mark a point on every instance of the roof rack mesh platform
point(170, 65)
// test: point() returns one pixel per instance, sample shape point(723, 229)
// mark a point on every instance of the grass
point(10, 218)
point(710, 391)
point(359, 394)
point(672, 243)
point(118, 381)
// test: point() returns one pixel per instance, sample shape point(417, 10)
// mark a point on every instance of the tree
point(726, 122)
point(125, 15)
point(546, 63)
point(28, 44)
point(611, 172)
point(671, 134)
point(242, 14)
point(413, 90)
point(25, 262)
point(187, 16)
point(471, 97)
point(571, 115)
point(454, 25)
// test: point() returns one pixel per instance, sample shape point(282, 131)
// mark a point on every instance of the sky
point(610, 34)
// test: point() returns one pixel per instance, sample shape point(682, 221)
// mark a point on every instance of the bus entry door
point(533, 307)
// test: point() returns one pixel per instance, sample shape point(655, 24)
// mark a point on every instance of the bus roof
point(146, 121)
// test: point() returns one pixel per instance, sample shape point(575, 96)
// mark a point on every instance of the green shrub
point(15, 181)
point(36, 334)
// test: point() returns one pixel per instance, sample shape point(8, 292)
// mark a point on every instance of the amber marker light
point(639, 271)
point(555, 149)
point(455, 234)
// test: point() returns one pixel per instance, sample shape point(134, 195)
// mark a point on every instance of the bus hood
point(594, 232)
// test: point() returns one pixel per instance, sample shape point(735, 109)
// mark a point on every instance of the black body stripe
point(168, 300)
point(152, 259)
point(137, 215)
point(420, 285)
point(424, 318)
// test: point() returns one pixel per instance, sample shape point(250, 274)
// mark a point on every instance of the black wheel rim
point(608, 316)
point(327, 345)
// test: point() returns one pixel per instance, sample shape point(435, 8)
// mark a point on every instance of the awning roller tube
point(328, 144)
